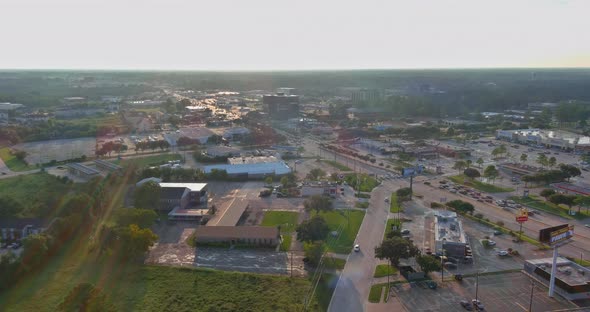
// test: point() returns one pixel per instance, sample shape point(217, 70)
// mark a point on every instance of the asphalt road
point(353, 287)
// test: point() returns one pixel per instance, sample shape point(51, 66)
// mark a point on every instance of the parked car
point(491, 242)
point(466, 305)
point(497, 232)
point(477, 304)
point(503, 253)
point(405, 231)
point(357, 248)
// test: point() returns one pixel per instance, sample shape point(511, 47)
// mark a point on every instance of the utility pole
point(476, 284)
point(291, 263)
point(532, 291)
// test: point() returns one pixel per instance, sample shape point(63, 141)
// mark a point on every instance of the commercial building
point(572, 281)
point(7, 110)
point(200, 134)
point(107, 166)
point(449, 238)
point(281, 106)
point(453, 151)
point(365, 96)
point(326, 189)
point(18, 228)
point(569, 188)
point(235, 133)
point(252, 170)
point(222, 151)
point(182, 195)
point(247, 235)
point(549, 138)
point(82, 170)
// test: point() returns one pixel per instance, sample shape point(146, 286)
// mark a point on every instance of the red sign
point(521, 219)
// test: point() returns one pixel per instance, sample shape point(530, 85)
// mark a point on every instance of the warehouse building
point(448, 235)
point(281, 106)
point(548, 138)
point(183, 196)
point(107, 166)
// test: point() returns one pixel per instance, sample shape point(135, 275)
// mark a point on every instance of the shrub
point(478, 215)
point(500, 223)
point(435, 205)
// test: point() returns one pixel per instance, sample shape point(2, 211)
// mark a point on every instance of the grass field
point(324, 291)
point(136, 287)
point(288, 222)
point(32, 189)
point(365, 182)
point(335, 218)
point(362, 205)
point(540, 204)
point(484, 187)
point(337, 165)
point(334, 263)
point(152, 160)
point(394, 205)
point(12, 162)
point(375, 292)
point(390, 223)
point(382, 270)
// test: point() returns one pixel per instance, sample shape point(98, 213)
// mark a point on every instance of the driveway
point(352, 290)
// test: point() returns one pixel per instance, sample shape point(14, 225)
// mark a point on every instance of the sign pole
point(553, 272)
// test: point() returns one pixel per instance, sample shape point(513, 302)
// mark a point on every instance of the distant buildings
point(549, 138)
point(8, 110)
point(18, 228)
point(364, 96)
point(281, 106)
point(252, 167)
point(449, 238)
point(542, 106)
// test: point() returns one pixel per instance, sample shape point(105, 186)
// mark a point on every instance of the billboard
point(556, 234)
point(406, 172)
point(522, 216)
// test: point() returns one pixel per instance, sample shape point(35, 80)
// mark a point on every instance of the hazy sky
point(296, 34)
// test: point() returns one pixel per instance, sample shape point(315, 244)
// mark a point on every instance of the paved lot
point(171, 248)
point(45, 151)
point(505, 293)
point(244, 260)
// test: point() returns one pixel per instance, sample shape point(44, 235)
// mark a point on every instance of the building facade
point(281, 106)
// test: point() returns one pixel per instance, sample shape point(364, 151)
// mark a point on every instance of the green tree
point(552, 162)
point(394, 249)
point(268, 180)
point(215, 139)
point(314, 252)
point(9, 207)
point(143, 218)
point(450, 132)
point(35, 249)
point(316, 174)
point(468, 163)
point(523, 157)
point(428, 263)
point(471, 173)
point(20, 155)
point(570, 171)
point(500, 150)
point(542, 160)
point(147, 196)
point(568, 200)
point(403, 194)
point(132, 241)
point(85, 297)
point(582, 201)
point(318, 203)
point(460, 165)
point(491, 172)
point(461, 206)
point(479, 162)
point(546, 193)
point(313, 229)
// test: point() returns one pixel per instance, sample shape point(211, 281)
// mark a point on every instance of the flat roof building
point(183, 200)
point(106, 166)
point(255, 170)
point(449, 238)
point(281, 106)
point(82, 170)
point(572, 281)
point(248, 235)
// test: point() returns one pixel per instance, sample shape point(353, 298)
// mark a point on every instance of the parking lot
point(503, 292)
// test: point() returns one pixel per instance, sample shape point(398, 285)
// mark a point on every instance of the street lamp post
point(476, 284)
point(532, 292)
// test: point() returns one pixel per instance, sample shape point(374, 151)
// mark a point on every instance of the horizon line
point(292, 70)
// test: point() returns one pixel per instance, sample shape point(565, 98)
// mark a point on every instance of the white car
point(491, 243)
point(357, 248)
point(503, 253)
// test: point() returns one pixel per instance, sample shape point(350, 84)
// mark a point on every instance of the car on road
point(386, 200)
point(477, 304)
point(357, 248)
point(466, 305)
point(405, 231)
point(491, 242)
point(497, 232)
point(503, 253)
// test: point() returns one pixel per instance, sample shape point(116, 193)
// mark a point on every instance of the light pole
point(532, 292)
point(476, 285)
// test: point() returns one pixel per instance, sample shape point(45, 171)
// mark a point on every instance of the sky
point(292, 35)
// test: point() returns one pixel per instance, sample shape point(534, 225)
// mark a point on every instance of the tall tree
point(552, 162)
point(568, 200)
point(394, 249)
point(147, 196)
point(479, 162)
point(318, 203)
point(542, 160)
point(471, 173)
point(428, 263)
point(491, 172)
point(313, 229)
point(523, 157)
point(459, 165)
